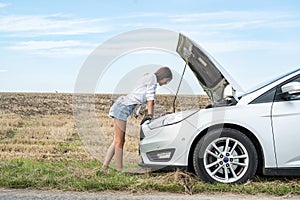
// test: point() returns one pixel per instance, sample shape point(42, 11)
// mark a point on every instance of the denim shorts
point(120, 111)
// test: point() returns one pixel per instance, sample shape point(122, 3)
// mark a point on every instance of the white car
point(235, 137)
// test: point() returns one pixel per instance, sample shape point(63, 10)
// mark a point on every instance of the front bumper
point(166, 146)
point(156, 167)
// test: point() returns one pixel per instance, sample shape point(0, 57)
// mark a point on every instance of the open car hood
point(211, 76)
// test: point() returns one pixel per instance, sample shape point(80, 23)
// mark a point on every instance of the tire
point(235, 164)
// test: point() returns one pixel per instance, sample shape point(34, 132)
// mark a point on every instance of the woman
point(144, 92)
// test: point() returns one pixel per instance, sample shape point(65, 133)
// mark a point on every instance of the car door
point(286, 127)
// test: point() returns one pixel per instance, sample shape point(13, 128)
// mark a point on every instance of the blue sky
point(44, 44)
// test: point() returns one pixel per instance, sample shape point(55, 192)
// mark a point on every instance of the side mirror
point(290, 90)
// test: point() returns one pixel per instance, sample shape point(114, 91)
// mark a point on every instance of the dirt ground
point(9, 194)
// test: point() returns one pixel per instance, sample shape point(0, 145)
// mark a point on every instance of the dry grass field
point(39, 126)
point(58, 141)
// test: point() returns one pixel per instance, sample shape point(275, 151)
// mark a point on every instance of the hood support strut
point(174, 101)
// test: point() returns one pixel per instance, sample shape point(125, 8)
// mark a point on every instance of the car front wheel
point(225, 155)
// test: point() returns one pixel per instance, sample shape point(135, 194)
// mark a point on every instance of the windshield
point(263, 84)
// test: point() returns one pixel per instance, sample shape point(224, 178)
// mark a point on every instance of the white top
point(143, 91)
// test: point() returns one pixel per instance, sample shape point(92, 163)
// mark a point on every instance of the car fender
point(211, 118)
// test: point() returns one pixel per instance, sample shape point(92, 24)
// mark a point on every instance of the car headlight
point(171, 119)
point(177, 117)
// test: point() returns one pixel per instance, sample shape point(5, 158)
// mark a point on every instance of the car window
point(274, 94)
point(279, 96)
point(267, 83)
point(267, 97)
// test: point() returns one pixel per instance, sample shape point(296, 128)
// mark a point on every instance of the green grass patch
point(79, 175)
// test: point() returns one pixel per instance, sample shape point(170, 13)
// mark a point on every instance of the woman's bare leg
point(109, 155)
point(116, 148)
point(119, 140)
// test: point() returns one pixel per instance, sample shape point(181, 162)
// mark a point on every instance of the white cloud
point(57, 24)
point(230, 15)
point(42, 45)
point(2, 5)
point(55, 48)
point(202, 27)
point(64, 52)
point(231, 20)
point(3, 70)
point(244, 45)
point(141, 15)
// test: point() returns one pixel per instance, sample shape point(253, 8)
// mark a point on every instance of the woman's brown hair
point(163, 72)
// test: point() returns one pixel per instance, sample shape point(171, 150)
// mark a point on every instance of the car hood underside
point(211, 76)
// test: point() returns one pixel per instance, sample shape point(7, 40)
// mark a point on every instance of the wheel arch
point(244, 130)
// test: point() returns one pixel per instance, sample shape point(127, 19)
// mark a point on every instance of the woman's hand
point(146, 118)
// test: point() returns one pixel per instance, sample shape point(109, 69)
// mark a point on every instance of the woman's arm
point(149, 116)
point(151, 107)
